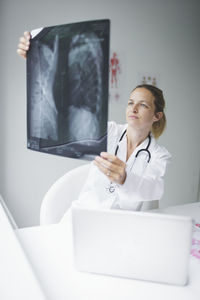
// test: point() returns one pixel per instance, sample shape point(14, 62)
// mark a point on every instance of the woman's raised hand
point(112, 167)
point(24, 44)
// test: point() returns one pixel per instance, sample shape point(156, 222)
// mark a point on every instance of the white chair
point(61, 194)
point(66, 189)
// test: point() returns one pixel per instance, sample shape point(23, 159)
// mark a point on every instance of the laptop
point(138, 245)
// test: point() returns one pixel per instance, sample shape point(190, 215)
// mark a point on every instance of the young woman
point(134, 166)
point(130, 175)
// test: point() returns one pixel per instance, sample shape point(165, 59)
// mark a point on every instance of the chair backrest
point(61, 194)
point(66, 189)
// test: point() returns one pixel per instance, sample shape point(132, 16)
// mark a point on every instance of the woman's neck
point(134, 139)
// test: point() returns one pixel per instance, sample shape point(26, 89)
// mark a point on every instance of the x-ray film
point(67, 89)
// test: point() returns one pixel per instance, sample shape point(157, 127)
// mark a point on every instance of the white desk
point(49, 248)
point(17, 279)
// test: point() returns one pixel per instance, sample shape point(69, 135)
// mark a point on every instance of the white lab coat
point(144, 181)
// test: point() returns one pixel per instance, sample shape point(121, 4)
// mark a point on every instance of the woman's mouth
point(133, 117)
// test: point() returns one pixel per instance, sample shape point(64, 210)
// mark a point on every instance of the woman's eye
point(130, 102)
point(144, 105)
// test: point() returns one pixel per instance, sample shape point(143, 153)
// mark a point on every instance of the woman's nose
point(135, 108)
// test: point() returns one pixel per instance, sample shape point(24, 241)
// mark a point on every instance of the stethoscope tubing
point(139, 151)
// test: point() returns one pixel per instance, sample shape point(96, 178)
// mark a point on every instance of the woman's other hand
point(24, 44)
point(112, 167)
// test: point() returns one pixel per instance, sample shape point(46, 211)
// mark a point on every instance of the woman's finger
point(114, 173)
point(23, 46)
point(113, 163)
point(108, 173)
point(112, 158)
point(102, 168)
point(24, 42)
point(27, 34)
point(106, 164)
point(21, 52)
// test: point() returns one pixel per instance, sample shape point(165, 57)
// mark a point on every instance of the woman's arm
point(148, 187)
point(134, 187)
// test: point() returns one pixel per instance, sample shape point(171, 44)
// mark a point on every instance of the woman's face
point(140, 112)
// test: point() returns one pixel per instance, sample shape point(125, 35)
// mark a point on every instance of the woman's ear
point(158, 116)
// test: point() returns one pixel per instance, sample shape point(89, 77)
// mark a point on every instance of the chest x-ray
point(67, 89)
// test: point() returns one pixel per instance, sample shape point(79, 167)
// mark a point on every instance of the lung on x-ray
point(67, 89)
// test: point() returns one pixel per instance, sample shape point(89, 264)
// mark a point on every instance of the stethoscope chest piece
point(111, 188)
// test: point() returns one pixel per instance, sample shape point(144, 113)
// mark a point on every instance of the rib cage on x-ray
point(67, 89)
point(85, 73)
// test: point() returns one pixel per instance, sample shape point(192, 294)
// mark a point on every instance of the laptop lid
point(138, 245)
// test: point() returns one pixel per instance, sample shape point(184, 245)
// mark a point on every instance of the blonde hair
point(159, 126)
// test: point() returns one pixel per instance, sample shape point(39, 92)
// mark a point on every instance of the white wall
point(155, 36)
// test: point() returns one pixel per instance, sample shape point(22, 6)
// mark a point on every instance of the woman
point(133, 177)
point(130, 175)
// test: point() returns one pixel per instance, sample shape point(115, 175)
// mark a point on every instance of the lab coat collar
point(143, 145)
point(123, 148)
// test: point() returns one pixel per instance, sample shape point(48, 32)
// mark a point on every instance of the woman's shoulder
point(115, 129)
point(161, 151)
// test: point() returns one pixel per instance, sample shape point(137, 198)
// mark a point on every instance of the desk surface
point(17, 279)
point(49, 249)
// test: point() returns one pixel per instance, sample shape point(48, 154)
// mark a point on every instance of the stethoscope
point(139, 151)
point(112, 186)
